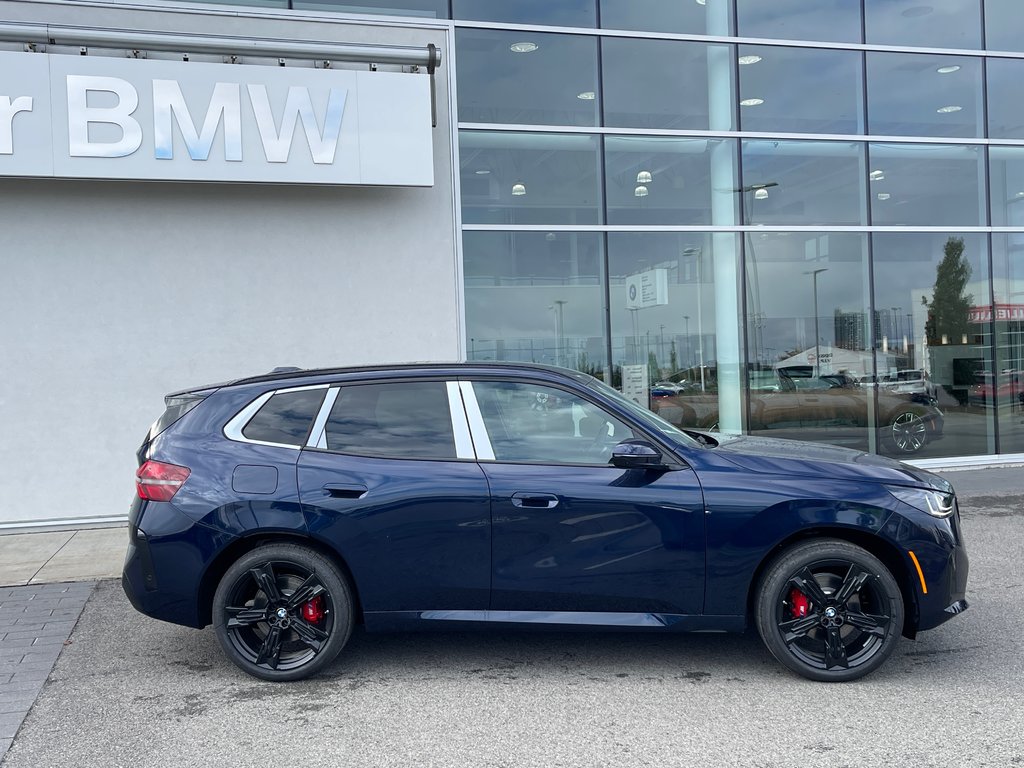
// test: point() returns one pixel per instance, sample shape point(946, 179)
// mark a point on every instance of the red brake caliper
point(799, 604)
point(313, 611)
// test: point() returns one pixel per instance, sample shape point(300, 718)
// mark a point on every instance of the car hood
point(766, 455)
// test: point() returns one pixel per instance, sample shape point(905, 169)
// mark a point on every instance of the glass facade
point(797, 219)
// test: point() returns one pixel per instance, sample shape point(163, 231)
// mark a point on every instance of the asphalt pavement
point(130, 691)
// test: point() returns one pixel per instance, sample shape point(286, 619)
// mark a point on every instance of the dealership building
point(802, 219)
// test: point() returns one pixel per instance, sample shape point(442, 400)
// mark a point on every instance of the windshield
point(647, 417)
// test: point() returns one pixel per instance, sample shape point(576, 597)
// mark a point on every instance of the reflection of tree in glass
point(950, 307)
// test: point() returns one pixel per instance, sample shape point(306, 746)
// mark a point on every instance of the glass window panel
point(837, 20)
point(664, 84)
point(1005, 107)
point(711, 17)
point(554, 84)
point(564, 13)
point(258, 3)
point(801, 89)
point(529, 178)
point(1001, 389)
point(1004, 25)
point(429, 9)
point(946, 24)
point(410, 420)
point(669, 181)
point(913, 94)
point(810, 357)
point(803, 182)
point(1007, 184)
point(535, 297)
point(286, 418)
point(926, 185)
point(930, 289)
point(539, 424)
point(685, 327)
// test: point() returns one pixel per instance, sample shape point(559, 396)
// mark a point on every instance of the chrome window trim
point(481, 440)
point(233, 429)
point(460, 424)
point(318, 435)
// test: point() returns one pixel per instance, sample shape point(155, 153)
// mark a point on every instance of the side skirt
point(388, 621)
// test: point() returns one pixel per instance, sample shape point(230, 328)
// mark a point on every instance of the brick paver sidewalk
point(35, 622)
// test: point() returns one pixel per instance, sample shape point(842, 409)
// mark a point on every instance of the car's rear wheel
point(908, 432)
point(829, 610)
point(282, 612)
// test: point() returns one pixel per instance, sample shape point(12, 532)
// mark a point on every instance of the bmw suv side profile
point(284, 509)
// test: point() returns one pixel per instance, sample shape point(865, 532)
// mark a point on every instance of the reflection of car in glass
point(285, 509)
point(1005, 389)
point(910, 382)
point(829, 408)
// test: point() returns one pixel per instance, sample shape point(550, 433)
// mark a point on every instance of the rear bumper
point(167, 555)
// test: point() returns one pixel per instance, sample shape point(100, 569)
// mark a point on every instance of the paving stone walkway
point(35, 622)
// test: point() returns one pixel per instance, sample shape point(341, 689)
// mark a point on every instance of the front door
point(570, 533)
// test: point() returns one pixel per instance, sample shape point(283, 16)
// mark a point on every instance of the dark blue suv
point(286, 508)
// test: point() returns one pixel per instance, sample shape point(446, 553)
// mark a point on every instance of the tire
point(848, 620)
point(282, 612)
point(907, 432)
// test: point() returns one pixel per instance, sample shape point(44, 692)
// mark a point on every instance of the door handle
point(345, 491)
point(535, 500)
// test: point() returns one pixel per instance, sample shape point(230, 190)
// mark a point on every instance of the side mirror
point(636, 454)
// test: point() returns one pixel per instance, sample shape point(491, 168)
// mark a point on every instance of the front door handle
point(535, 500)
point(345, 491)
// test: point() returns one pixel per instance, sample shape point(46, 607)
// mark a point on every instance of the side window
point(408, 420)
point(286, 417)
point(530, 422)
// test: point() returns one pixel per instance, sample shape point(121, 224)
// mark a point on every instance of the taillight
point(157, 481)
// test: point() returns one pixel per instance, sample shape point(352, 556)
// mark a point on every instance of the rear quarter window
point(286, 418)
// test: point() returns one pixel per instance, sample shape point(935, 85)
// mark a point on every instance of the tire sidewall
point(332, 578)
point(778, 574)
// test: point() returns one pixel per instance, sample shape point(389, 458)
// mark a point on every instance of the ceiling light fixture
point(950, 108)
point(761, 194)
point(948, 69)
point(482, 172)
point(518, 189)
point(640, 191)
point(702, 2)
point(586, 96)
point(644, 177)
point(523, 47)
point(749, 59)
point(884, 195)
point(751, 102)
point(877, 175)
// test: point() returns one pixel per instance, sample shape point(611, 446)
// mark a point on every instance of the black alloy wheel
point(282, 612)
point(829, 610)
point(908, 432)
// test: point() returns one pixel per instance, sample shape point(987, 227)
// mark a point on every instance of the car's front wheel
point(282, 612)
point(829, 610)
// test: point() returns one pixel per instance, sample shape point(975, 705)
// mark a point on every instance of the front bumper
point(936, 564)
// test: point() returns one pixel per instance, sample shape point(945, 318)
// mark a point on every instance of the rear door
point(572, 534)
point(390, 480)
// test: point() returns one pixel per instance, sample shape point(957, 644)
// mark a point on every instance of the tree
point(950, 307)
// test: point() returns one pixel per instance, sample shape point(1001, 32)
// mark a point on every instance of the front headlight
point(935, 503)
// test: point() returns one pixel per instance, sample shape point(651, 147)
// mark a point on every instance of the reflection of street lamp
point(760, 192)
point(696, 254)
point(814, 281)
point(689, 355)
point(559, 329)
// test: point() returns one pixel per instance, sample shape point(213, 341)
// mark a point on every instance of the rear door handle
point(345, 491)
point(535, 500)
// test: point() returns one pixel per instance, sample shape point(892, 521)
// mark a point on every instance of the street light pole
point(559, 329)
point(817, 353)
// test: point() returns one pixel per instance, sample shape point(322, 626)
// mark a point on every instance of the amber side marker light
point(920, 573)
